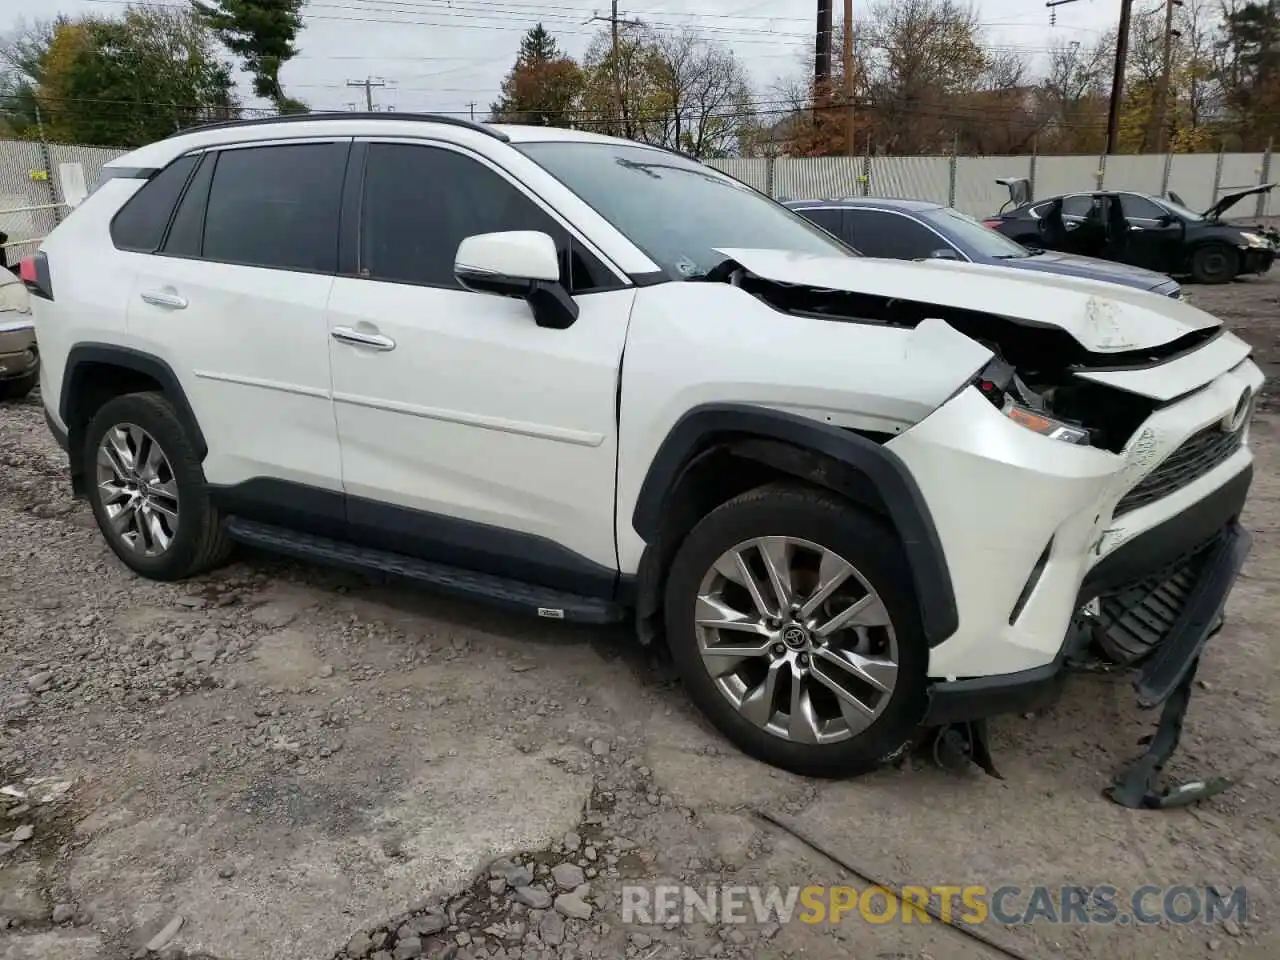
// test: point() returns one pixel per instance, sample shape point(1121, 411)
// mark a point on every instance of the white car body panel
point(480, 414)
point(250, 347)
point(692, 344)
point(1102, 317)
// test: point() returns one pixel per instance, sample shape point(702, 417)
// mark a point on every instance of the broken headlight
point(1000, 384)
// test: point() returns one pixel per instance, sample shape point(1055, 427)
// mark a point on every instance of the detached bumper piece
point(1169, 676)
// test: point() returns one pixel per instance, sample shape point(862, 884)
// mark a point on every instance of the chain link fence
point(33, 198)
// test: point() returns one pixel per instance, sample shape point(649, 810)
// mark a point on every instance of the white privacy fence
point(969, 183)
point(38, 179)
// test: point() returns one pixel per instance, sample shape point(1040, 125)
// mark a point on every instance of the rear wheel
point(1214, 263)
point(148, 493)
point(793, 623)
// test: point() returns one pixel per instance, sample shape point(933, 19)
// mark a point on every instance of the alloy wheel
point(796, 639)
point(138, 490)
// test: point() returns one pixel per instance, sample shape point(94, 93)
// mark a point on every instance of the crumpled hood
point(1102, 317)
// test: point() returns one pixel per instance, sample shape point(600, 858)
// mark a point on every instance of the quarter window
point(277, 206)
point(421, 202)
point(141, 222)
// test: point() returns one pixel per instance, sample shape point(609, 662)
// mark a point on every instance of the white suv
point(596, 380)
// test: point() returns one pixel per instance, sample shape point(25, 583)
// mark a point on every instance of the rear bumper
point(19, 356)
point(1209, 529)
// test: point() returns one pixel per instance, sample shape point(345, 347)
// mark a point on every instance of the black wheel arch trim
point(82, 355)
point(789, 442)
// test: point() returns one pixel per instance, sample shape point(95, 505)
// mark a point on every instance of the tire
point(1214, 263)
point(196, 541)
point(18, 387)
point(815, 517)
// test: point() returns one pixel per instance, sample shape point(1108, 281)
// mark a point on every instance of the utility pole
point(368, 83)
point(1117, 77)
point(1161, 131)
point(471, 105)
point(620, 103)
point(847, 42)
point(822, 53)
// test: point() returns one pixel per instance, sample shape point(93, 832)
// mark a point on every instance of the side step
point(511, 594)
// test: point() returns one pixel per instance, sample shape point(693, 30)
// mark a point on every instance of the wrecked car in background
point(1158, 233)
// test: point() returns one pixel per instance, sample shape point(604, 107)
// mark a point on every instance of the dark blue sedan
point(918, 230)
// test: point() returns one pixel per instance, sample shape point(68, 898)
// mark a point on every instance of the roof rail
point(349, 115)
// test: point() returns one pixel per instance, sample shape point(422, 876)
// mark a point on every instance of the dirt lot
point(286, 763)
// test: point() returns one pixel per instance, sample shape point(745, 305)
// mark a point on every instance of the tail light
point(34, 272)
point(991, 222)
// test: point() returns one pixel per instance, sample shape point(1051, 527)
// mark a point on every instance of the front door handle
point(161, 299)
point(374, 341)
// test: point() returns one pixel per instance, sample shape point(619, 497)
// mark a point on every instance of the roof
point(350, 124)
point(887, 203)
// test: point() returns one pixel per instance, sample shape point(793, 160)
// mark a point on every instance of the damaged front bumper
point(1207, 539)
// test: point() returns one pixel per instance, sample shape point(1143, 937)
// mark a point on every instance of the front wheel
point(792, 620)
point(1215, 263)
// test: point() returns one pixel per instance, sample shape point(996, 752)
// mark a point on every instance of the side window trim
point(210, 160)
point(575, 235)
point(920, 223)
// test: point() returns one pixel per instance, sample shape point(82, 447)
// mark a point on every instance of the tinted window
point(891, 235)
point(420, 203)
point(187, 231)
point(141, 222)
point(827, 218)
point(277, 207)
point(1077, 206)
point(1140, 208)
point(679, 212)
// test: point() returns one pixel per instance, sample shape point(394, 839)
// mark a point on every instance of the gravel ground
point(281, 762)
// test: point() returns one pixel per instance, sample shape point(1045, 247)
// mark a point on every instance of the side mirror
point(517, 263)
point(944, 253)
point(1166, 220)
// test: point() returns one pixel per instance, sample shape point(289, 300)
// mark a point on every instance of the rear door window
point(141, 222)
point(277, 206)
point(881, 234)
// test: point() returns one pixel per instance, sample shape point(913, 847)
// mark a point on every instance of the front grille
point(1134, 620)
point(1197, 456)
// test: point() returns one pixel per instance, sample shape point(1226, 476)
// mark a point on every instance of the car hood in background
point(1102, 317)
point(1072, 265)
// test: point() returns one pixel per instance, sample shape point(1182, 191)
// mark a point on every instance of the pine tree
point(542, 86)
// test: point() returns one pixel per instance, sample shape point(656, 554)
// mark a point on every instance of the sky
point(451, 55)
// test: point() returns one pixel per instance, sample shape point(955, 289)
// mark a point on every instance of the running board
point(498, 591)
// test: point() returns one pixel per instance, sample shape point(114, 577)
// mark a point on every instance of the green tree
point(542, 86)
point(125, 81)
point(21, 67)
point(262, 33)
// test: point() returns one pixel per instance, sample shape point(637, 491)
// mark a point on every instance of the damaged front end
point(1156, 399)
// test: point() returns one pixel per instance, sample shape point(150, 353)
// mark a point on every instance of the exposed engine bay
point(1034, 366)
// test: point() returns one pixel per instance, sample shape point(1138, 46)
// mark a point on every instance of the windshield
point(676, 210)
point(970, 233)
point(1179, 209)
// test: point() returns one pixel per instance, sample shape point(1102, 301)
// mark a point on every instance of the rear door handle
point(162, 299)
point(374, 341)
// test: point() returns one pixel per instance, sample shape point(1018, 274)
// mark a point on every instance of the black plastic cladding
point(881, 467)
